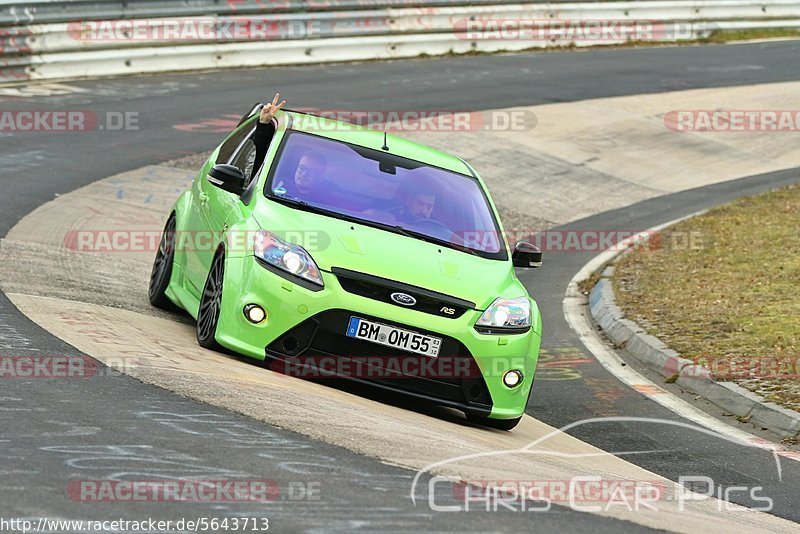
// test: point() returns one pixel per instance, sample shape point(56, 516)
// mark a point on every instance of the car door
point(211, 207)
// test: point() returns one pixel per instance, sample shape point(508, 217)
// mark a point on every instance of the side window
point(233, 142)
point(245, 158)
point(251, 156)
point(262, 142)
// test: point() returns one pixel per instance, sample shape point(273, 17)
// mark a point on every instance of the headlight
point(506, 315)
point(287, 257)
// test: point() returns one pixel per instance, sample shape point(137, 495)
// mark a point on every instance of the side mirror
point(526, 255)
point(227, 178)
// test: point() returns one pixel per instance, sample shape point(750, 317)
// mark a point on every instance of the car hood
point(359, 247)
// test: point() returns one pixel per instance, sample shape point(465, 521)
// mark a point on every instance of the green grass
point(725, 36)
point(732, 303)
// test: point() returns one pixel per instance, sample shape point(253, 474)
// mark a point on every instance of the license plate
point(394, 337)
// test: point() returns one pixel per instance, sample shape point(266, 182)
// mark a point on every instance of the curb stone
point(627, 335)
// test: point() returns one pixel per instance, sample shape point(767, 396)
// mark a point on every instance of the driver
point(418, 205)
point(306, 180)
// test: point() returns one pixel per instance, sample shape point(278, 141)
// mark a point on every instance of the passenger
point(264, 132)
point(305, 183)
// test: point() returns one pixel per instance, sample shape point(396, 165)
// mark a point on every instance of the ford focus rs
point(329, 249)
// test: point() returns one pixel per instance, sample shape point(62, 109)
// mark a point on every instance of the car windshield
point(395, 193)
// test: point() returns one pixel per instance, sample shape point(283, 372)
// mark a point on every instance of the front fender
point(181, 208)
point(175, 291)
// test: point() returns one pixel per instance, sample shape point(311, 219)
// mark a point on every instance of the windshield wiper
point(394, 228)
point(305, 206)
point(430, 239)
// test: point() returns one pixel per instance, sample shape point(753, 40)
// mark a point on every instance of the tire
point(162, 268)
point(499, 424)
point(210, 304)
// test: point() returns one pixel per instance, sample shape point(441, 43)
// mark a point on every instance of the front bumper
point(481, 360)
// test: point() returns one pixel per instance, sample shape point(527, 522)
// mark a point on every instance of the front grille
point(376, 288)
point(319, 343)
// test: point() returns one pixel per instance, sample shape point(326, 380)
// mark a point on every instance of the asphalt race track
point(115, 426)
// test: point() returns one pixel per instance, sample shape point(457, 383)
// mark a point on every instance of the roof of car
point(372, 138)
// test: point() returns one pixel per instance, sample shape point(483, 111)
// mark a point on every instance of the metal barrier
point(44, 39)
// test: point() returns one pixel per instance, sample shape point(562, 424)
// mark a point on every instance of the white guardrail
point(75, 39)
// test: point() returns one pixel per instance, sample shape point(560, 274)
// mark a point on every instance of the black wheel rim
point(208, 315)
point(164, 256)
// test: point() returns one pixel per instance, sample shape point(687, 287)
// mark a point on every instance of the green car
point(332, 250)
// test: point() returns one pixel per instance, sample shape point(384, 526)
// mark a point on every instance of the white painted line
point(575, 313)
point(31, 90)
